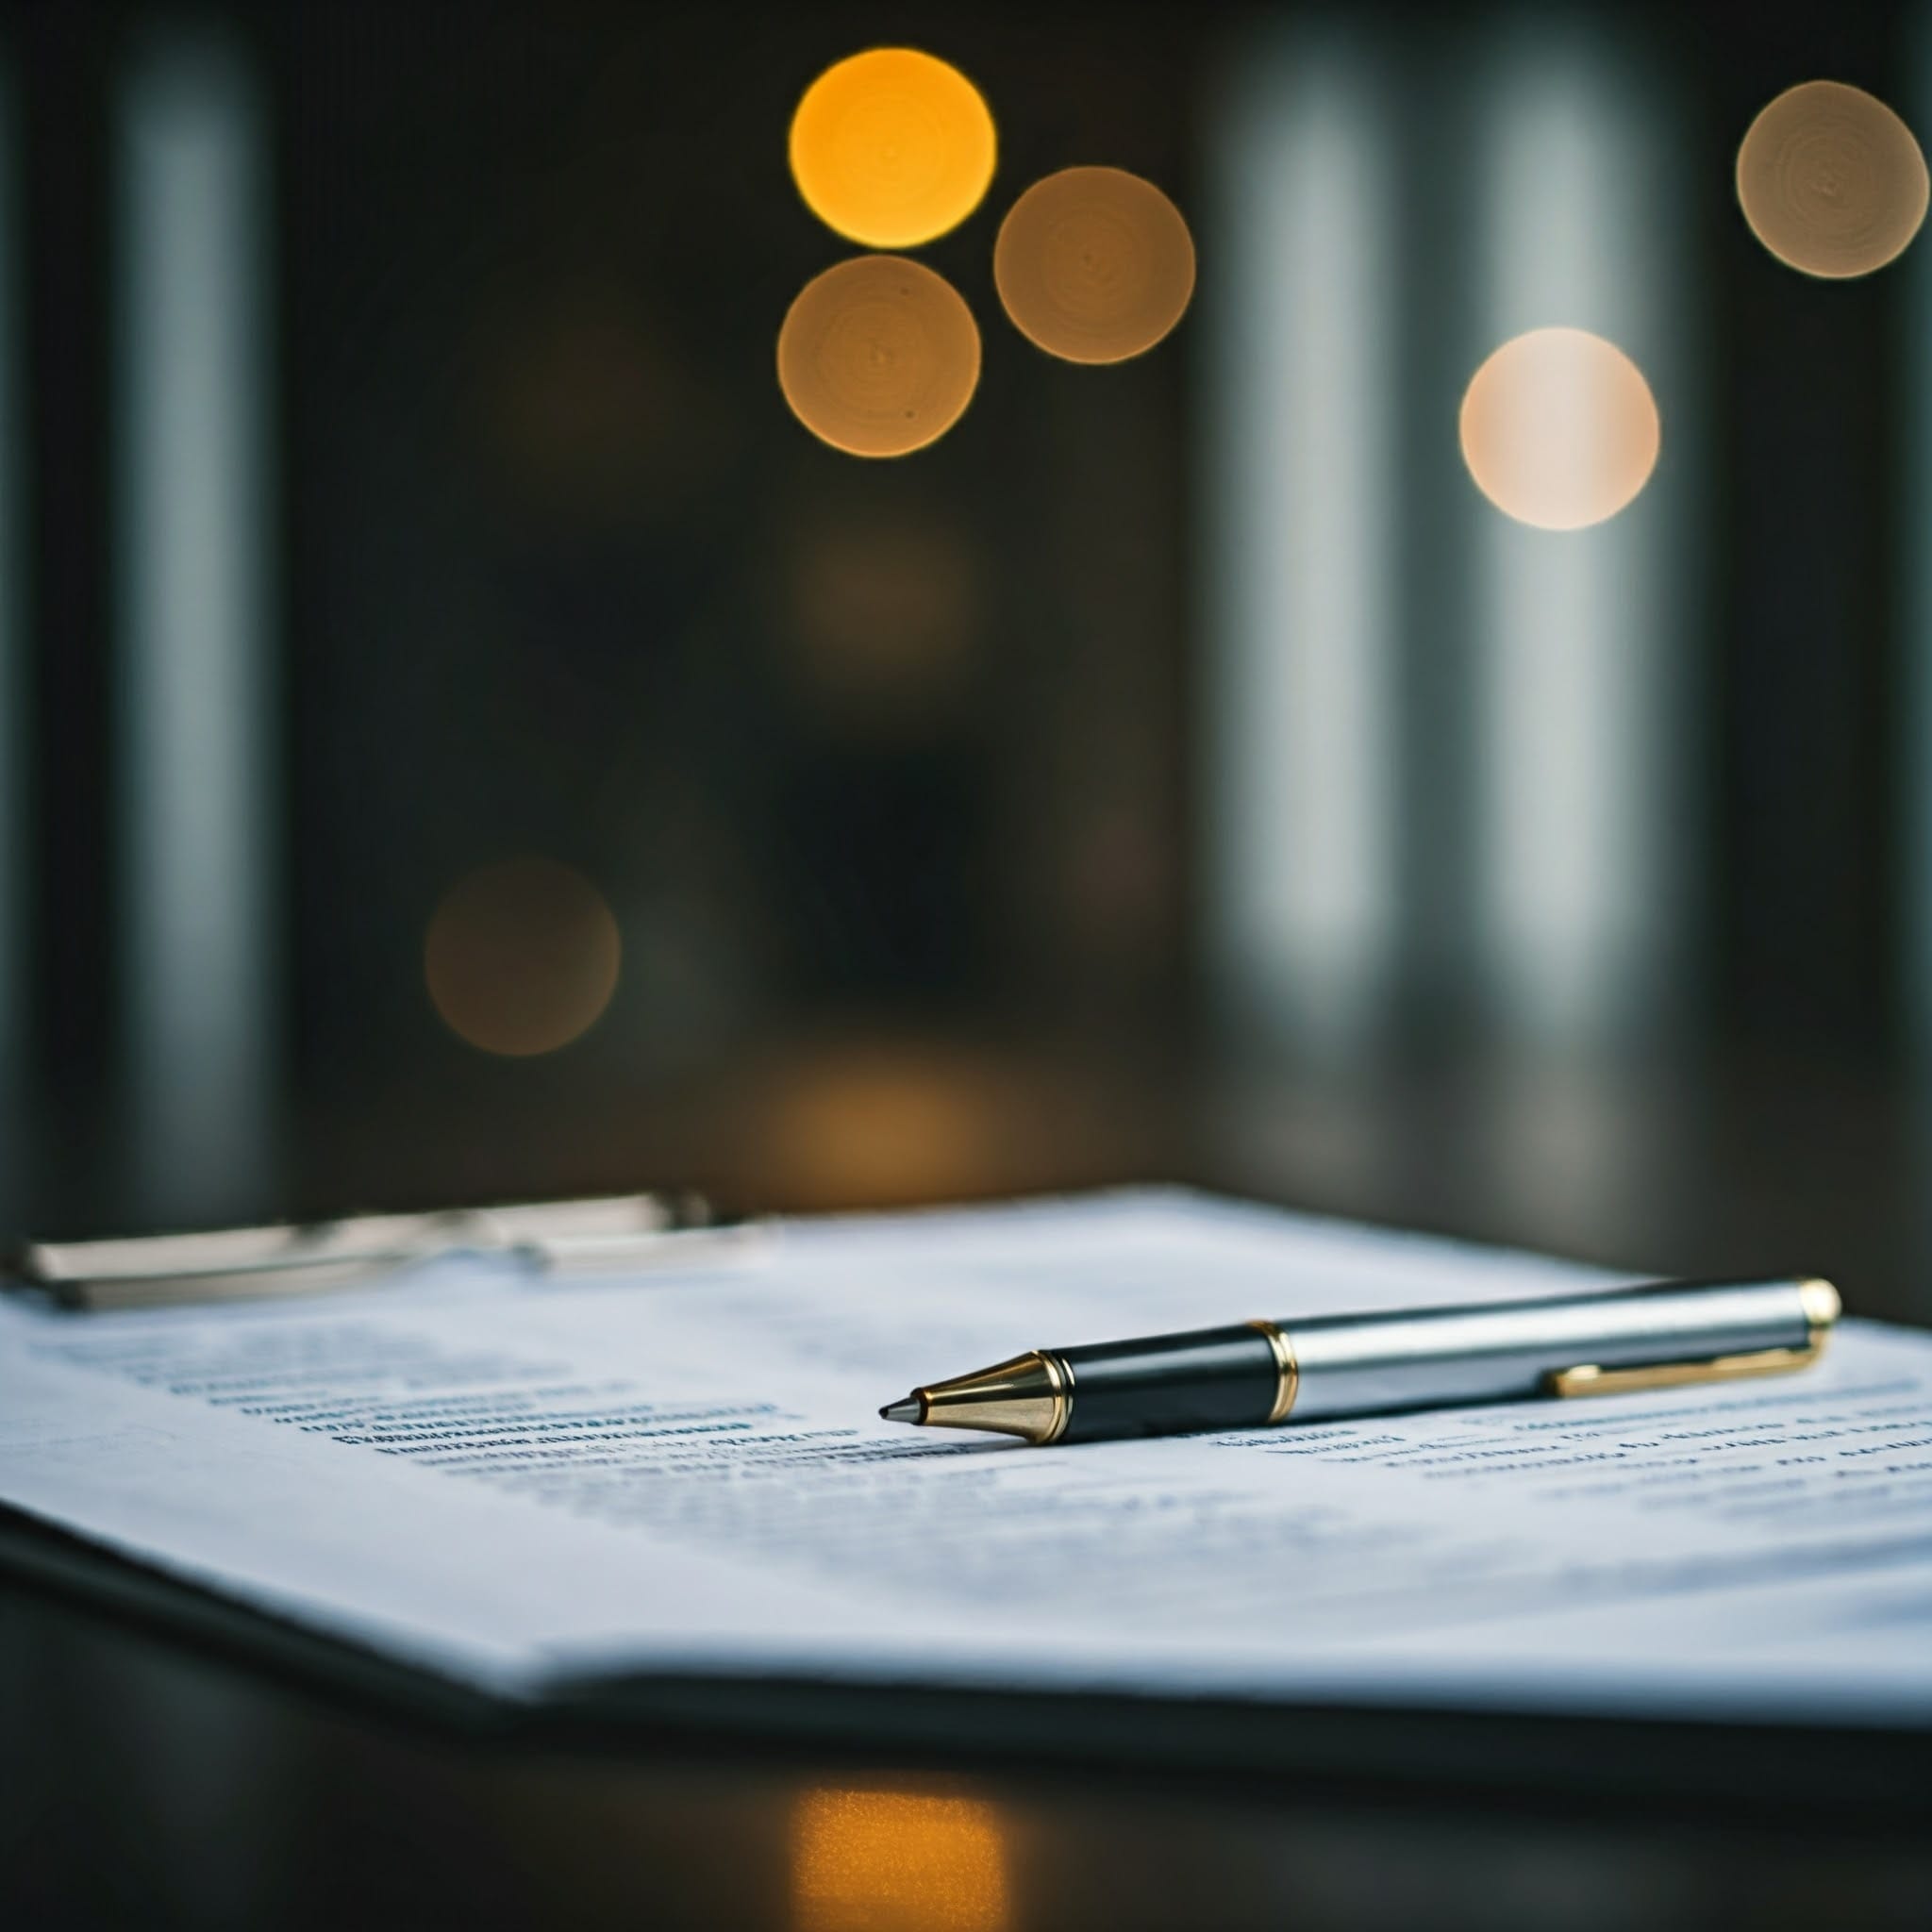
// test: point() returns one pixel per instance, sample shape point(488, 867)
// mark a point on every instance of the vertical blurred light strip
point(1300, 769)
point(196, 679)
point(13, 609)
point(1913, 799)
point(1582, 824)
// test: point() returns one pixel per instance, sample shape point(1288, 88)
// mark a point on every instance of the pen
point(1658, 1335)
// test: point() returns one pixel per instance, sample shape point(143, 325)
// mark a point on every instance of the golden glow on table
point(1559, 428)
point(879, 357)
point(522, 957)
point(1831, 180)
point(1095, 264)
point(896, 1861)
point(892, 147)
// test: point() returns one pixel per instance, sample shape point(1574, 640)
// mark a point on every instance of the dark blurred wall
point(891, 773)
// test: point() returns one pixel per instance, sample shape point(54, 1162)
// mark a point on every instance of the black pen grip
point(1162, 1385)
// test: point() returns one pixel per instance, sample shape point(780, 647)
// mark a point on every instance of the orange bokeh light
point(522, 957)
point(1095, 264)
point(879, 357)
point(1831, 180)
point(892, 147)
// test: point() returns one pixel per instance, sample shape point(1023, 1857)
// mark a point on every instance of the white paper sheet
point(523, 1482)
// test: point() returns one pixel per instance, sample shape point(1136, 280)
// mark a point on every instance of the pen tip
point(906, 1411)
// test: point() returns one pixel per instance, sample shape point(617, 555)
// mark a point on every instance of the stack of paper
point(526, 1484)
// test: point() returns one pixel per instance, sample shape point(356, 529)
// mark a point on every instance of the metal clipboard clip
point(610, 1233)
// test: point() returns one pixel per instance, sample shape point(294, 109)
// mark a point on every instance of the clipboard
point(1787, 1764)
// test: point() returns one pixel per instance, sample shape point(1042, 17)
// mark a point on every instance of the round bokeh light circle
point(522, 957)
point(892, 147)
point(1095, 264)
point(879, 357)
point(1831, 180)
point(1559, 428)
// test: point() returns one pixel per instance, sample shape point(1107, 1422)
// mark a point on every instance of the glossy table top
point(155, 1782)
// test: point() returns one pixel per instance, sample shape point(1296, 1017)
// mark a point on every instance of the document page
point(528, 1483)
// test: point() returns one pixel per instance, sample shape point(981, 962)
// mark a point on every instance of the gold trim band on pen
point(1287, 1374)
point(1060, 1374)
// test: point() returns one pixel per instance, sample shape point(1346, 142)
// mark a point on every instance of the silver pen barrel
point(1656, 1336)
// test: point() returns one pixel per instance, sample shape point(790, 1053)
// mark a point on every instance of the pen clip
point(1588, 1379)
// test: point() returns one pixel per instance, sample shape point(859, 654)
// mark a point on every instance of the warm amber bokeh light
point(863, 1121)
point(522, 957)
point(892, 147)
point(895, 1861)
point(1559, 428)
point(884, 609)
point(879, 357)
point(1831, 180)
point(1095, 264)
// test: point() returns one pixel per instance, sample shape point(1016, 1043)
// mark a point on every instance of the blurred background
point(418, 601)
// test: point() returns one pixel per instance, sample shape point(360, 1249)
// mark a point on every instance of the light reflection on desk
point(896, 1861)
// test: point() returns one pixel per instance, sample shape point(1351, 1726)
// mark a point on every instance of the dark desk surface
point(149, 1783)
point(154, 1783)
